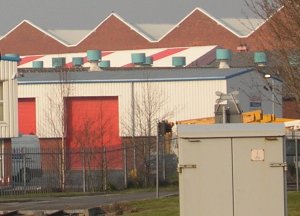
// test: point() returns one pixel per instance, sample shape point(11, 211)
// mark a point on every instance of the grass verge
point(166, 206)
point(170, 206)
point(294, 203)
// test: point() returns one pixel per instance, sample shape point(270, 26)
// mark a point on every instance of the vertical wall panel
point(9, 127)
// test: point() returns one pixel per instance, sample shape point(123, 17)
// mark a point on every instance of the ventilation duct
point(260, 58)
point(93, 57)
point(77, 61)
point(13, 56)
point(37, 64)
point(58, 62)
point(178, 61)
point(148, 61)
point(104, 64)
point(223, 55)
point(138, 59)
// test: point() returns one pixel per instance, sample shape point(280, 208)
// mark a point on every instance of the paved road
point(78, 202)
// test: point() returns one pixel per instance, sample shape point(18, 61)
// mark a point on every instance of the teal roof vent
point(149, 60)
point(93, 55)
point(77, 61)
point(104, 64)
point(138, 58)
point(178, 61)
point(223, 54)
point(37, 64)
point(58, 62)
point(13, 57)
point(260, 58)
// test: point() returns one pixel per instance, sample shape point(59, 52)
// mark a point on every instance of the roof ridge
point(134, 27)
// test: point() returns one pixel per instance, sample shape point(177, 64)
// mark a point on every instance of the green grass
point(294, 203)
point(170, 206)
point(159, 207)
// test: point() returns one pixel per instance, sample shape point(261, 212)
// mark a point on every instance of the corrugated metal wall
point(177, 100)
point(253, 87)
point(9, 127)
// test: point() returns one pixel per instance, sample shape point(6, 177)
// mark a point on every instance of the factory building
point(98, 108)
point(114, 97)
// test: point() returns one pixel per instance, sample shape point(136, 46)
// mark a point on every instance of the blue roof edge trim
point(121, 80)
point(158, 77)
point(241, 72)
point(9, 58)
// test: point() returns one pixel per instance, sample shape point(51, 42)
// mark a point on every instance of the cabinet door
point(207, 188)
point(259, 187)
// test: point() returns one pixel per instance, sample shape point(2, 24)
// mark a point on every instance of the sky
point(87, 14)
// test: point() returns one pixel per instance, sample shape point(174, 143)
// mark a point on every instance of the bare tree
point(57, 120)
point(147, 109)
point(281, 35)
point(93, 136)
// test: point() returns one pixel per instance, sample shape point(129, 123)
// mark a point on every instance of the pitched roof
point(73, 14)
point(151, 32)
point(242, 27)
point(69, 36)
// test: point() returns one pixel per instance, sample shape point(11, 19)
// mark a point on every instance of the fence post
point(105, 168)
point(297, 165)
point(24, 167)
point(157, 161)
point(125, 165)
point(83, 170)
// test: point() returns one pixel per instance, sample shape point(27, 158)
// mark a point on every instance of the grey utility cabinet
point(232, 170)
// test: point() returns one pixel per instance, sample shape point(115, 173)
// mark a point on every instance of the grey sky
point(87, 14)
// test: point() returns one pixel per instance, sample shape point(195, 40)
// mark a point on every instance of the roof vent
point(138, 59)
point(223, 55)
point(260, 58)
point(178, 61)
point(37, 64)
point(13, 56)
point(148, 61)
point(77, 61)
point(93, 57)
point(58, 62)
point(104, 64)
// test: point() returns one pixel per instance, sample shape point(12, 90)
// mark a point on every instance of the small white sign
point(257, 154)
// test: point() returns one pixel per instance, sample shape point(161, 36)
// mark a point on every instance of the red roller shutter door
point(27, 115)
point(93, 122)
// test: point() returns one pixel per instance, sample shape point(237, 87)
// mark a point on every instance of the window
point(1, 102)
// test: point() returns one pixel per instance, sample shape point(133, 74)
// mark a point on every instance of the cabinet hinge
point(284, 165)
point(184, 166)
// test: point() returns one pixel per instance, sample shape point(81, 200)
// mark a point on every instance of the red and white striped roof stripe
point(162, 57)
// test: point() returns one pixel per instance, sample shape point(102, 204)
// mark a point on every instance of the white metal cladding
point(9, 127)
point(253, 87)
point(178, 100)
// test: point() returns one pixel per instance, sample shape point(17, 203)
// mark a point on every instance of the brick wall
point(291, 109)
point(27, 40)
